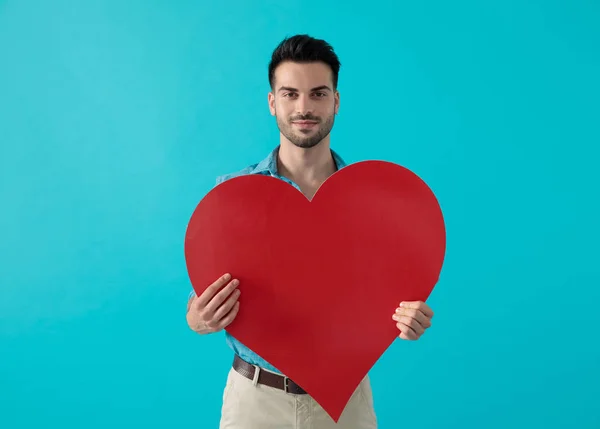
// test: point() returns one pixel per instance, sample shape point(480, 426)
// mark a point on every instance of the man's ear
point(271, 99)
point(337, 102)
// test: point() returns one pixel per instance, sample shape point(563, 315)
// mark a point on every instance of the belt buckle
point(286, 384)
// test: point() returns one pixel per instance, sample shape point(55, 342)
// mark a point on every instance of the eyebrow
point(318, 88)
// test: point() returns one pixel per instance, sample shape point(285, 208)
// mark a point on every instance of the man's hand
point(214, 309)
point(413, 318)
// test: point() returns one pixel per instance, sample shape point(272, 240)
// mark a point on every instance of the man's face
point(304, 102)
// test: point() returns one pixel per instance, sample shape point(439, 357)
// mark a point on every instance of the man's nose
point(303, 105)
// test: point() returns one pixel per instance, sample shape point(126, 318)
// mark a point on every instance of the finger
point(224, 309)
point(406, 332)
point(190, 302)
point(410, 322)
point(415, 314)
point(418, 305)
point(210, 291)
point(220, 298)
point(227, 320)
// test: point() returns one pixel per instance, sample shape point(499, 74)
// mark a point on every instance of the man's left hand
point(412, 319)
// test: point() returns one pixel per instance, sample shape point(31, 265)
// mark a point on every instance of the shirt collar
point(269, 164)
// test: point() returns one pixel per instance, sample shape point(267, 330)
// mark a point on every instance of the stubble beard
point(305, 139)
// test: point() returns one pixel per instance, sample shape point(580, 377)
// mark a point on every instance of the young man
point(303, 74)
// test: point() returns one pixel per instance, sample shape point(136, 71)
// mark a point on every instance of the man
point(303, 74)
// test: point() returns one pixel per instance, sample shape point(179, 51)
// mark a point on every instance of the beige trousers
point(249, 406)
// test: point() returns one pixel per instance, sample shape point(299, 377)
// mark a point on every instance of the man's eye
point(320, 94)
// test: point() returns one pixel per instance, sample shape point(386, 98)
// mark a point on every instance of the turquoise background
point(116, 117)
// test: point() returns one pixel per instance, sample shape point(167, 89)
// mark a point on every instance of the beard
point(305, 139)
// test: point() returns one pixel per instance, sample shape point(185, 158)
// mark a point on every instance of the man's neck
point(306, 167)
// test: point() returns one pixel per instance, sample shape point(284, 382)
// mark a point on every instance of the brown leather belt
point(267, 378)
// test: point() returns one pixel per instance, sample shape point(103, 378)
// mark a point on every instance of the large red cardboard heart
point(321, 279)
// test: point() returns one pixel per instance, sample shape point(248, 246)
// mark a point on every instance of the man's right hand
point(215, 308)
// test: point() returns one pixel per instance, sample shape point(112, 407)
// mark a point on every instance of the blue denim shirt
point(268, 167)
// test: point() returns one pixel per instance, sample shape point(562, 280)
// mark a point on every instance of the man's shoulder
point(251, 169)
point(269, 166)
point(266, 166)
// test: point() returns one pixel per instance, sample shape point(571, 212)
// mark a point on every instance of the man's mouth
point(305, 124)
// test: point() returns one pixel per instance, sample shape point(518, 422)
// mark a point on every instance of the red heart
point(320, 279)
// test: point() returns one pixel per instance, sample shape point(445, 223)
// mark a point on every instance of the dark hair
point(304, 49)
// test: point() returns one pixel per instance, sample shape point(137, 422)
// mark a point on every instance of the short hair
point(304, 49)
